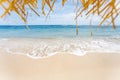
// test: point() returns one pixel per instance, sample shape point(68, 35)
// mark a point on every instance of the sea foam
point(43, 48)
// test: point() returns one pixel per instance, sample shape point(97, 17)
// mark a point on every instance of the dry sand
point(60, 67)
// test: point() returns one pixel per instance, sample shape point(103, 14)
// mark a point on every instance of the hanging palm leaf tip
point(18, 6)
point(108, 10)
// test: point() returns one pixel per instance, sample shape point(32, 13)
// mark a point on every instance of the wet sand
point(60, 67)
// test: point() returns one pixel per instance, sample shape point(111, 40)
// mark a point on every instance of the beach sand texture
point(92, 66)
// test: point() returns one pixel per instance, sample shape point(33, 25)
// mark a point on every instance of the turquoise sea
point(56, 31)
point(42, 41)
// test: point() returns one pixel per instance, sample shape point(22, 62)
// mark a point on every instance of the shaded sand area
point(60, 67)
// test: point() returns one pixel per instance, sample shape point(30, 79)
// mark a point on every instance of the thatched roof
point(107, 9)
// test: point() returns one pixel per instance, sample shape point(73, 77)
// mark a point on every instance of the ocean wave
point(43, 48)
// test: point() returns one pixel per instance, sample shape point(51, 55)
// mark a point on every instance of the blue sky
point(61, 16)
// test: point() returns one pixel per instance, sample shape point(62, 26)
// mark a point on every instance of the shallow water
point(41, 48)
point(45, 41)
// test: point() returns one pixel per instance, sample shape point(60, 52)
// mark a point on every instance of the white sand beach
point(71, 40)
point(92, 66)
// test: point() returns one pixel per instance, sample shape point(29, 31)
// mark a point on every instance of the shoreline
point(39, 48)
